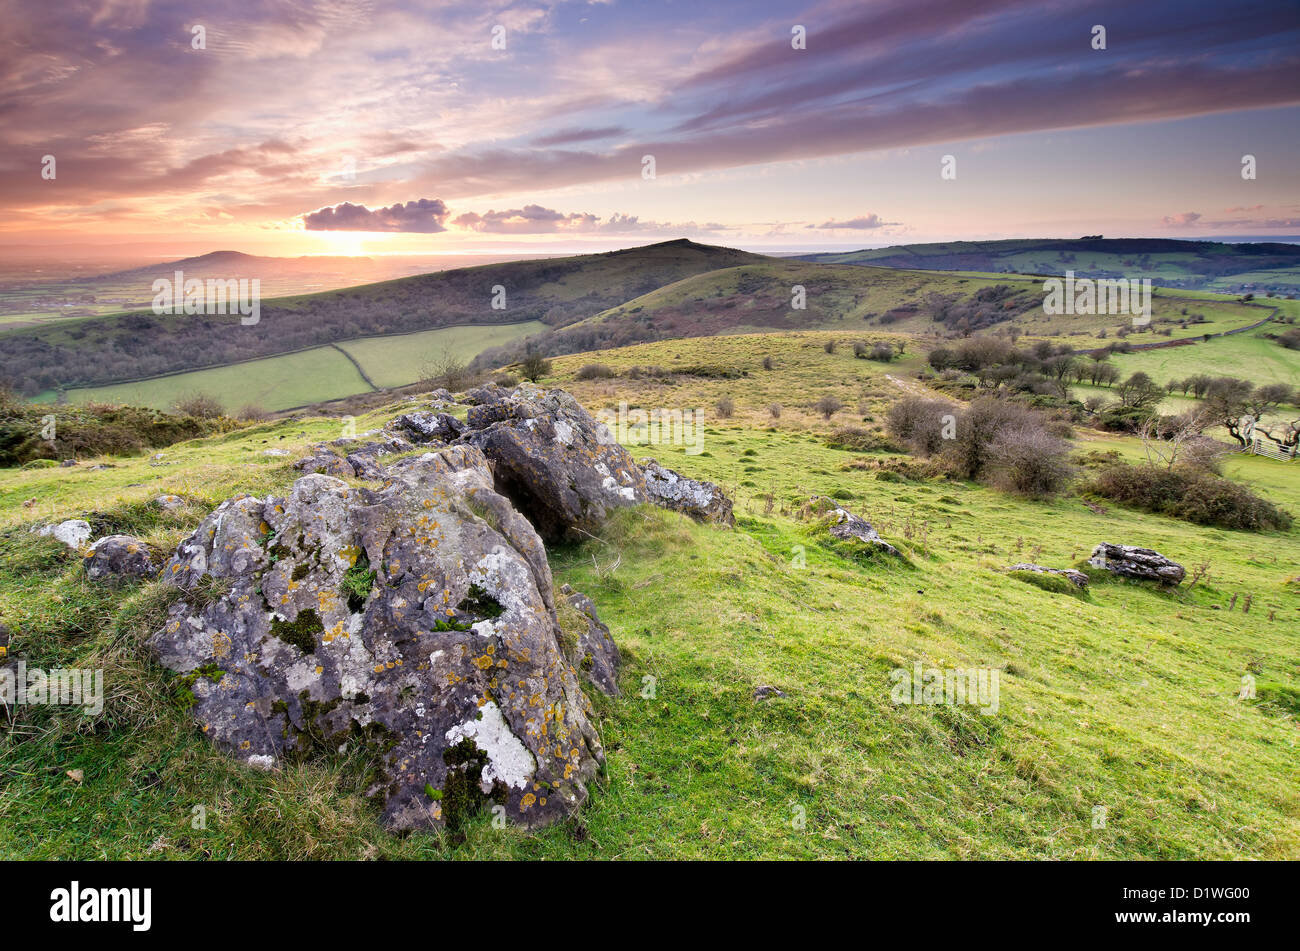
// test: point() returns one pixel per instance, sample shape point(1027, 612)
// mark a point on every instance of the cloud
point(861, 223)
point(530, 219)
point(423, 216)
point(569, 136)
point(1184, 220)
point(534, 219)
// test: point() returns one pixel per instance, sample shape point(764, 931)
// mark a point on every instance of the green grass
point(274, 383)
point(397, 361)
point(1249, 355)
point(1127, 698)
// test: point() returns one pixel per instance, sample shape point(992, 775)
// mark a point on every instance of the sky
point(355, 127)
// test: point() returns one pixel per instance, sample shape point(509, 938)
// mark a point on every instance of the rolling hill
point(557, 291)
point(1196, 265)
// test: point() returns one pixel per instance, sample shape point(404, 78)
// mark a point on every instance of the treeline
point(1041, 376)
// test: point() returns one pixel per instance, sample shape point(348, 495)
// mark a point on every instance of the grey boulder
point(416, 620)
point(702, 501)
point(1142, 564)
point(116, 558)
point(560, 467)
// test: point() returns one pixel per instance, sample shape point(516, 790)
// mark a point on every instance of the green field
point(1125, 699)
point(275, 383)
point(312, 376)
point(1249, 356)
point(397, 361)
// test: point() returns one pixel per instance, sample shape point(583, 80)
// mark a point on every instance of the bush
point(726, 407)
point(200, 406)
point(1190, 494)
point(828, 406)
point(95, 429)
point(252, 413)
point(970, 454)
point(882, 352)
point(534, 367)
point(774, 410)
point(1030, 461)
point(919, 423)
point(767, 363)
point(595, 371)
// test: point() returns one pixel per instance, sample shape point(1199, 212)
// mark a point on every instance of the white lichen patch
point(625, 491)
point(508, 759)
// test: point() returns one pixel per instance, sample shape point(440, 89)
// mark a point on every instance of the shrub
point(1030, 461)
point(595, 371)
point(767, 363)
point(200, 406)
point(774, 410)
point(534, 367)
point(860, 350)
point(919, 423)
point(970, 454)
point(882, 352)
point(1190, 494)
point(252, 413)
point(828, 406)
point(94, 429)
point(726, 407)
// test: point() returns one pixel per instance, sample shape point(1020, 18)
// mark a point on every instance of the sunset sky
point(457, 146)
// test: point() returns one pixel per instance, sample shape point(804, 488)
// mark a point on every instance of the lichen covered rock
point(702, 501)
point(116, 558)
point(1142, 564)
point(562, 469)
point(843, 525)
point(417, 619)
point(74, 532)
point(587, 641)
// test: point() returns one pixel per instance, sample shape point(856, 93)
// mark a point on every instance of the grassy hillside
point(1125, 699)
point(312, 376)
point(104, 350)
point(924, 303)
point(1204, 265)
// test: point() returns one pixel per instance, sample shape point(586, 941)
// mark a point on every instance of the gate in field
point(1261, 446)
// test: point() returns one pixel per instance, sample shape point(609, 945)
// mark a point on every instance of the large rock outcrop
point(702, 501)
point(418, 619)
point(562, 468)
point(1142, 564)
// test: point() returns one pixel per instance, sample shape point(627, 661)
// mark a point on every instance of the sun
point(351, 243)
